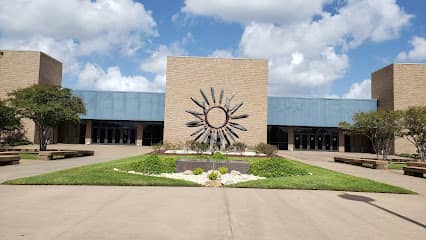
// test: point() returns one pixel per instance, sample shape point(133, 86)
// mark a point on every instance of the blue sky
point(317, 48)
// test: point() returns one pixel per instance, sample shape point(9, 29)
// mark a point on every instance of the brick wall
point(247, 79)
point(397, 87)
point(20, 69)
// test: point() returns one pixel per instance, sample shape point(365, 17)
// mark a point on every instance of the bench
point(376, 164)
point(9, 153)
point(417, 169)
point(9, 159)
point(52, 155)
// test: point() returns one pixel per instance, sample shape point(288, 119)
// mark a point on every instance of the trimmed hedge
point(275, 167)
point(155, 165)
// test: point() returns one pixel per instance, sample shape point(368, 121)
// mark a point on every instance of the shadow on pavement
point(370, 201)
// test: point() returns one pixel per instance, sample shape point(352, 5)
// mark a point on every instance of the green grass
point(397, 166)
point(32, 156)
point(323, 179)
point(100, 174)
point(103, 174)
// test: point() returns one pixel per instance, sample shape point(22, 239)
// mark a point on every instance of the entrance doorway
point(316, 139)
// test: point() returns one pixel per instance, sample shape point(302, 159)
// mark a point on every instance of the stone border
point(191, 164)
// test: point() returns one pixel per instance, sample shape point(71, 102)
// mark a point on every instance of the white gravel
point(225, 179)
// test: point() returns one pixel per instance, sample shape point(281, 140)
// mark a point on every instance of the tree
point(378, 126)
point(47, 106)
point(8, 119)
point(414, 128)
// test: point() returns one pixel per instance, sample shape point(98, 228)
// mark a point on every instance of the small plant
point(157, 147)
point(266, 149)
point(223, 170)
point(153, 164)
point(275, 167)
point(214, 175)
point(197, 171)
point(169, 146)
point(218, 156)
point(239, 147)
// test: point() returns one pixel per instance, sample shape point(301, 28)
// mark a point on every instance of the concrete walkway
point(103, 153)
point(95, 212)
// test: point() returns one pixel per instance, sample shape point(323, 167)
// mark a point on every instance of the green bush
point(155, 165)
point(218, 156)
point(275, 167)
point(266, 149)
point(197, 171)
point(213, 175)
point(157, 147)
point(239, 147)
point(223, 170)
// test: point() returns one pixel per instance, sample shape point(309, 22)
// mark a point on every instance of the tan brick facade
point(397, 87)
point(20, 69)
point(246, 79)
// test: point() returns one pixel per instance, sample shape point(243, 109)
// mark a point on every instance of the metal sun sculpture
point(216, 122)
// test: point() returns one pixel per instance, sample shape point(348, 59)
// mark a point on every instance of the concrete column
point(88, 137)
point(341, 140)
point(139, 132)
point(290, 139)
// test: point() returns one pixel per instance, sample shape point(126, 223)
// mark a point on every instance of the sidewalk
point(325, 160)
point(103, 153)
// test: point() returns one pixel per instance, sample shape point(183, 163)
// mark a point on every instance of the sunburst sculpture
point(216, 122)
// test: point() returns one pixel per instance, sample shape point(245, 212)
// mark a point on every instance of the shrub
point(197, 171)
point(169, 146)
point(275, 167)
point(155, 165)
point(218, 156)
point(214, 175)
point(266, 149)
point(239, 147)
point(223, 170)
point(157, 147)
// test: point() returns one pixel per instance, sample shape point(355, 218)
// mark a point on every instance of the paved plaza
point(108, 212)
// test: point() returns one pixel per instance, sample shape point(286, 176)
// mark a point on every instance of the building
point(399, 86)
point(19, 69)
point(291, 123)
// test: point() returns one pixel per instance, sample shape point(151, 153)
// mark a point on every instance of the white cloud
point(417, 53)
point(306, 57)
point(243, 11)
point(157, 61)
point(94, 77)
point(84, 27)
point(361, 90)
point(221, 53)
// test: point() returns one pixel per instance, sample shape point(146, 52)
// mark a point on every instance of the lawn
point(103, 174)
point(397, 166)
point(32, 156)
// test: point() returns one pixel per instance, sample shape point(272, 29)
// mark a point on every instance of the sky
point(315, 48)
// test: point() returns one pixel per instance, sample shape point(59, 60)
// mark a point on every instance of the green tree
point(378, 126)
point(414, 128)
point(47, 106)
point(8, 119)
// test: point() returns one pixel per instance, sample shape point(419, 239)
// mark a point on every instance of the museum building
point(217, 98)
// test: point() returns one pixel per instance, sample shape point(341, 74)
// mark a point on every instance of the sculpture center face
point(216, 117)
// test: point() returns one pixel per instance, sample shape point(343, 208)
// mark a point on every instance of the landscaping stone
point(235, 172)
point(187, 172)
point(225, 179)
point(213, 183)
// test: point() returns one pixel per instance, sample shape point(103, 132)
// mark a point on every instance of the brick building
point(142, 118)
point(19, 69)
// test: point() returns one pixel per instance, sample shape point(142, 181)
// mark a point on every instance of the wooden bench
point(376, 164)
point(9, 159)
point(9, 153)
point(417, 169)
point(52, 155)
